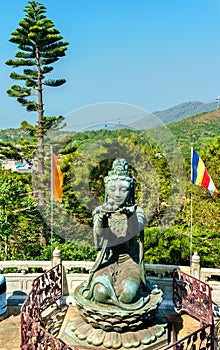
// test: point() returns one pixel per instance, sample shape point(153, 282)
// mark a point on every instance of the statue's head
point(120, 184)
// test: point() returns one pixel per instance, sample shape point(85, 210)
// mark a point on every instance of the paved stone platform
point(55, 321)
point(10, 335)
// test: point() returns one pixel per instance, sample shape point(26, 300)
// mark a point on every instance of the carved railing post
point(56, 257)
point(196, 265)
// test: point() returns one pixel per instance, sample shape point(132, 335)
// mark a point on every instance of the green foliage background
point(24, 234)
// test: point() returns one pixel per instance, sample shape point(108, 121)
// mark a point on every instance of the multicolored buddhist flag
point(200, 175)
point(56, 179)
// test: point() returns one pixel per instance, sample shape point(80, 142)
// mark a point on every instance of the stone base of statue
point(108, 326)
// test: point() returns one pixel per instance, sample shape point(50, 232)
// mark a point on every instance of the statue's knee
point(100, 293)
point(129, 292)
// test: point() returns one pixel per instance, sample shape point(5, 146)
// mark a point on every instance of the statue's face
point(118, 190)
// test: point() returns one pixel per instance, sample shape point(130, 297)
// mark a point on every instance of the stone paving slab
point(10, 334)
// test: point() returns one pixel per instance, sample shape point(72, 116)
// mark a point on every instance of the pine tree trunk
point(40, 118)
point(41, 155)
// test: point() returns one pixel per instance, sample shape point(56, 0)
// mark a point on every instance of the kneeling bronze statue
point(117, 304)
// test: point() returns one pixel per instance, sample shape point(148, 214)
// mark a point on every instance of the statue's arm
point(98, 225)
point(141, 218)
point(141, 223)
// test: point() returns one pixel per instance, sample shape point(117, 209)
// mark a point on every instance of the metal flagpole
point(191, 218)
point(191, 214)
point(51, 199)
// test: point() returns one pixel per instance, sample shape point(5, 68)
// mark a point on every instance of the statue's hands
point(106, 208)
point(129, 210)
point(109, 206)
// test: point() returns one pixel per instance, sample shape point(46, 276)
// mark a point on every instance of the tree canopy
point(40, 45)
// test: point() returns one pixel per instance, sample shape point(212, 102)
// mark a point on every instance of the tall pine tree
point(40, 45)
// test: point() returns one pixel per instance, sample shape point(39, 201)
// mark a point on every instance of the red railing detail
point(46, 290)
point(34, 336)
point(193, 297)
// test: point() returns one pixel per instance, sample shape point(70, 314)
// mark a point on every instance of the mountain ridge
point(185, 110)
point(170, 115)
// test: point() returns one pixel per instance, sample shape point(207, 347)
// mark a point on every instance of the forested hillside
point(196, 131)
point(160, 161)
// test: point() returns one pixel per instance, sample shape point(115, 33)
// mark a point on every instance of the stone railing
point(20, 283)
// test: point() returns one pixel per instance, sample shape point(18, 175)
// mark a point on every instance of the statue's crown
point(119, 171)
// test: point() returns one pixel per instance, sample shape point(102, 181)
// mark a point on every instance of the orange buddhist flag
point(57, 179)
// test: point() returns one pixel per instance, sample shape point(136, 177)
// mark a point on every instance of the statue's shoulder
point(141, 216)
point(139, 210)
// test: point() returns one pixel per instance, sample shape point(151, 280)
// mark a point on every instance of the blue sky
point(150, 53)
